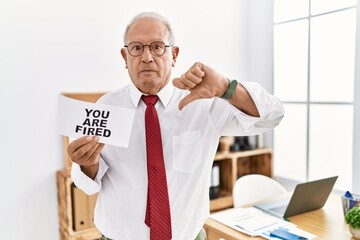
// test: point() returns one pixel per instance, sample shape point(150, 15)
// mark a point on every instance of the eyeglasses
point(136, 49)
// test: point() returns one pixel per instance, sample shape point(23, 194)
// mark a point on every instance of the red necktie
point(157, 217)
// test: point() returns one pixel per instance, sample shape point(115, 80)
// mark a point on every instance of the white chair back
point(255, 187)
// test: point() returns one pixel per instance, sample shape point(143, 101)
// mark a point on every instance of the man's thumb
point(187, 99)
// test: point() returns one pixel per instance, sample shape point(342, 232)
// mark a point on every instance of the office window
point(291, 49)
point(330, 142)
point(290, 144)
point(332, 57)
point(314, 66)
point(285, 10)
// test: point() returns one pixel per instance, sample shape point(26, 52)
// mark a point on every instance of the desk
point(326, 223)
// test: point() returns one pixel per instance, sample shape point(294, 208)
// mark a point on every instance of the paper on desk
point(255, 222)
point(111, 123)
point(231, 217)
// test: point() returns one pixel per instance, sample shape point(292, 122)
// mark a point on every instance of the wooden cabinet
point(236, 164)
point(67, 212)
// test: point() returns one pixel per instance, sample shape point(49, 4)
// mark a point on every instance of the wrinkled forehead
point(147, 30)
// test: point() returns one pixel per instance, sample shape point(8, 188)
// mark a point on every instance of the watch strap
point(231, 89)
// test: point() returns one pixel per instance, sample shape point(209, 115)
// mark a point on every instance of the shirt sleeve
point(230, 121)
point(82, 181)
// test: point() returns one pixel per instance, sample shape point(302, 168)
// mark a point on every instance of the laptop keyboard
point(280, 210)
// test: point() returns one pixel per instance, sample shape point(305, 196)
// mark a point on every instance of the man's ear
point(124, 55)
point(175, 53)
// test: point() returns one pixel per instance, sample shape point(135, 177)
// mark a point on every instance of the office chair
point(255, 187)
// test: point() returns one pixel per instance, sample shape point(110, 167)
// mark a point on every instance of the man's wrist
point(90, 171)
point(230, 91)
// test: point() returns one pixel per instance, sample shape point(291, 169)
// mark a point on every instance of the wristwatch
point(231, 89)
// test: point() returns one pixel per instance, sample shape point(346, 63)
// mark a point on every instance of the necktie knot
point(150, 99)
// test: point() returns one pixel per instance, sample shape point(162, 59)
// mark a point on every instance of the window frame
point(355, 103)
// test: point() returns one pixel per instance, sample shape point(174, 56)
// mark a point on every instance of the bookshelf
point(236, 164)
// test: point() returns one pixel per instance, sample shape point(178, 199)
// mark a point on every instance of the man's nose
point(147, 55)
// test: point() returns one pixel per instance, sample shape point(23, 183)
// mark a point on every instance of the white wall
point(260, 17)
point(49, 47)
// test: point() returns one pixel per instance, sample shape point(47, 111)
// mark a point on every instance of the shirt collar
point(164, 94)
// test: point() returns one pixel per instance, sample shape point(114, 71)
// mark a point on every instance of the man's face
point(149, 73)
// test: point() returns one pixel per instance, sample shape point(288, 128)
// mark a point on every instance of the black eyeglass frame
point(149, 45)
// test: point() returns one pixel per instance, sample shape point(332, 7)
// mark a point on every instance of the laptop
point(306, 197)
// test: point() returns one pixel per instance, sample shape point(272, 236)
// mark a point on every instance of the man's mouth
point(148, 71)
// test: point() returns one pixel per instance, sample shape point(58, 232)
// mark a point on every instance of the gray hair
point(156, 16)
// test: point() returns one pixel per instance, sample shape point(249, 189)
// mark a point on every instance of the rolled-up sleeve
point(230, 121)
point(82, 181)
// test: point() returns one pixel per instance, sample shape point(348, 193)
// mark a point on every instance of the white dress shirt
point(190, 139)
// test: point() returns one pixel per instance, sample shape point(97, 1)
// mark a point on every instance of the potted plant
point(352, 217)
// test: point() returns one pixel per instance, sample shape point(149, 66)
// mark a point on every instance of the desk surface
point(326, 223)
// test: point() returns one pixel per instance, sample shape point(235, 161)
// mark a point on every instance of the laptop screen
point(306, 197)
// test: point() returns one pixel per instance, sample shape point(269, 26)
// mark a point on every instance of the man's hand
point(202, 82)
point(85, 151)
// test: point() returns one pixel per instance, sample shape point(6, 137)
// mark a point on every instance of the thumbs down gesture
point(202, 82)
